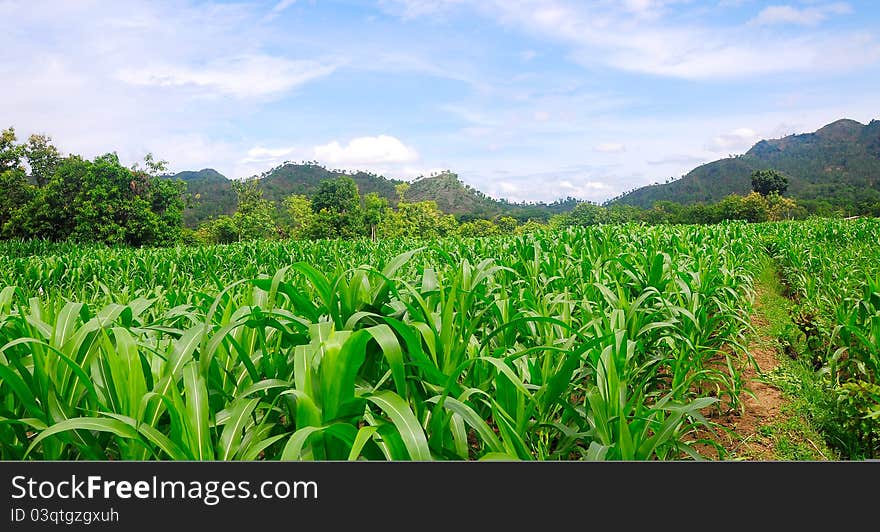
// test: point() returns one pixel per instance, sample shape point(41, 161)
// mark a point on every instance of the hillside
point(839, 163)
point(290, 178)
point(212, 193)
point(453, 196)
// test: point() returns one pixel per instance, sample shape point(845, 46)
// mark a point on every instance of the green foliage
point(531, 226)
point(766, 182)
point(10, 152)
point(374, 208)
point(211, 193)
point(751, 208)
point(600, 343)
point(337, 210)
point(326, 224)
point(400, 189)
point(338, 195)
point(87, 201)
point(299, 213)
point(506, 224)
point(831, 274)
point(831, 172)
point(221, 230)
point(253, 217)
point(478, 228)
point(42, 157)
point(15, 192)
point(421, 220)
point(585, 214)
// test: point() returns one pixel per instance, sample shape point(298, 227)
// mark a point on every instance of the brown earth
point(739, 434)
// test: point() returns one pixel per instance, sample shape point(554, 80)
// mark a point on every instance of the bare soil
point(739, 435)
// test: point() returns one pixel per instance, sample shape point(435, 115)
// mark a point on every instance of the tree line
point(49, 196)
point(337, 210)
point(44, 195)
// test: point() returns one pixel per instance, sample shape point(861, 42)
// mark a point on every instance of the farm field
point(610, 342)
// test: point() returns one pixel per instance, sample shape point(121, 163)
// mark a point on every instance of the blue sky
point(530, 100)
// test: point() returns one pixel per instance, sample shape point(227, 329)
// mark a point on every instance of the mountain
point(305, 179)
point(213, 196)
point(453, 196)
point(839, 163)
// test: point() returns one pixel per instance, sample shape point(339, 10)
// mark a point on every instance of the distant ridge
point(213, 196)
point(838, 163)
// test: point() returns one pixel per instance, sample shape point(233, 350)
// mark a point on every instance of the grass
point(793, 435)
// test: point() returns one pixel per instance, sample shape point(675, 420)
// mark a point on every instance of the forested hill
point(212, 194)
point(839, 163)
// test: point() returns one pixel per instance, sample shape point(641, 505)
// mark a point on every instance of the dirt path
point(769, 426)
point(760, 409)
point(739, 433)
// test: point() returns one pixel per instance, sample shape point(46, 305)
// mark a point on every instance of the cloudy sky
point(525, 99)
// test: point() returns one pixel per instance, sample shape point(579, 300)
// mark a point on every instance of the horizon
point(532, 101)
point(347, 171)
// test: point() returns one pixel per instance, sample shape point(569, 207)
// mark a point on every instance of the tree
point(584, 213)
point(765, 182)
point(421, 219)
point(42, 157)
point(374, 207)
point(15, 191)
point(299, 211)
point(15, 194)
point(221, 230)
point(478, 228)
point(337, 195)
point(10, 152)
point(401, 189)
point(51, 214)
point(253, 217)
point(751, 208)
point(506, 224)
point(531, 226)
point(337, 208)
point(779, 208)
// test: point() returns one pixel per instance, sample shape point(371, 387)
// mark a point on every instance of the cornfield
point(832, 268)
point(601, 343)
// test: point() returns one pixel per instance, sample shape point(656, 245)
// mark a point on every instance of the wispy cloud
point(246, 76)
point(624, 36)
point(805, 16)
point(737, 139)
point(260, 154)
point(525, 99)
point(610, 147)
point(409, 9)
point(282, 5)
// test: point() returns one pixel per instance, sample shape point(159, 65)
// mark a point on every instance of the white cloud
point(282, 5)
point(417, 8)
point(807, 16)
point(260, 154)
point(476, 118)
point(636, 36)
point(191, 151)
point(245, 76)
point(610, 147)
point(382, 149)
point(648, 8)
point(737, 139)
